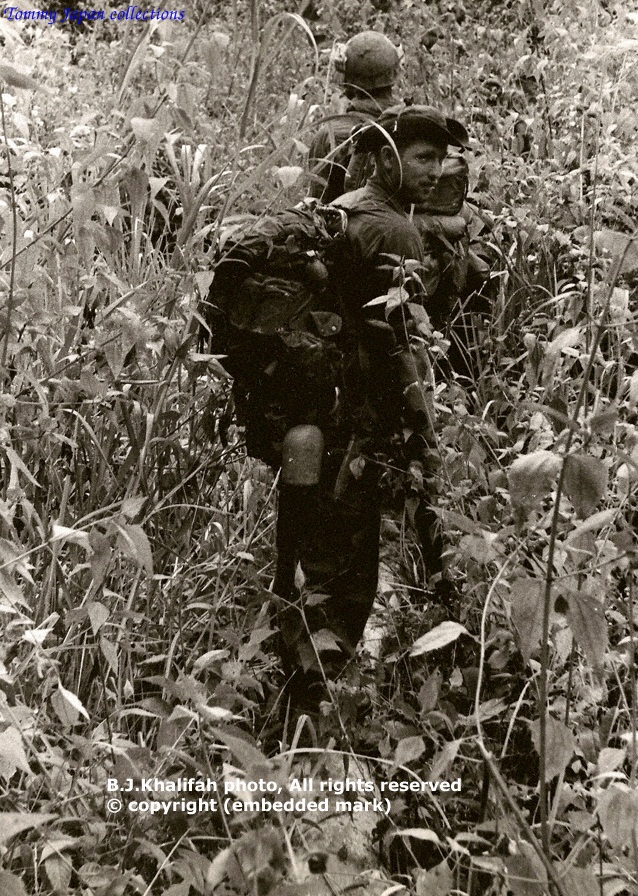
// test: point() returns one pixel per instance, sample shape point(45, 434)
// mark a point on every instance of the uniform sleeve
point(384, 232)
point(374, 240)
point(401, 239)
point(319, 149)
point(384, 248)
point(328, 158)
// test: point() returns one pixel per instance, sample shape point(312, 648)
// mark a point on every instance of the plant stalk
point(542, 855)
point(549, 578)
point(14, 242)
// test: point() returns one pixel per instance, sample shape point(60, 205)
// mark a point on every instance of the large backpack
point(269, 313)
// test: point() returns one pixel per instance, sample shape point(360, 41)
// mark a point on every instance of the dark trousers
point(334, 541)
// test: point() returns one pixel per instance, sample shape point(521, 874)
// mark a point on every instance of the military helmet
point(371, 61)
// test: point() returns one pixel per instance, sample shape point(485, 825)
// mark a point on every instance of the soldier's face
point(419, 172)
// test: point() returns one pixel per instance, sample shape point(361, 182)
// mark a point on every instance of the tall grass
point(136, 542)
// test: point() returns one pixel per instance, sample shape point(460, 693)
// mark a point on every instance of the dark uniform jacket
point(379, 237)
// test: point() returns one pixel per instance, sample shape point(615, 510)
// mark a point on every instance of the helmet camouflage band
point(370, 61)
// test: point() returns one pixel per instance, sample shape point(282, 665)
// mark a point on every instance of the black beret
point(406, 123)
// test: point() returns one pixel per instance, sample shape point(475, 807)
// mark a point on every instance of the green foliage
point(136, 540)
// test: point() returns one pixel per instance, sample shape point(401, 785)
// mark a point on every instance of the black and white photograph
point(319, 448)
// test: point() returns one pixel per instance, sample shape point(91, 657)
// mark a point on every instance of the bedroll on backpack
point(269, 313)
point(450, 192)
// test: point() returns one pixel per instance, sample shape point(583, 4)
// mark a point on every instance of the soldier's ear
point(387, 158)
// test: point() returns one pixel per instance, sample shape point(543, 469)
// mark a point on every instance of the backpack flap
point(281, 348)
point(270, 305)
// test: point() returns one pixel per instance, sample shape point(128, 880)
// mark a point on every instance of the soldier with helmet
point(369, 66)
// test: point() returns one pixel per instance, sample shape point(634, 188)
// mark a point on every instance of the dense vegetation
point(136, 542)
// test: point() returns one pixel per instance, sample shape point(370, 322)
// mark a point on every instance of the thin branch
point(14, 242)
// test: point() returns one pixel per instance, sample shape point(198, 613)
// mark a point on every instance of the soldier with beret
point(331, 530)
